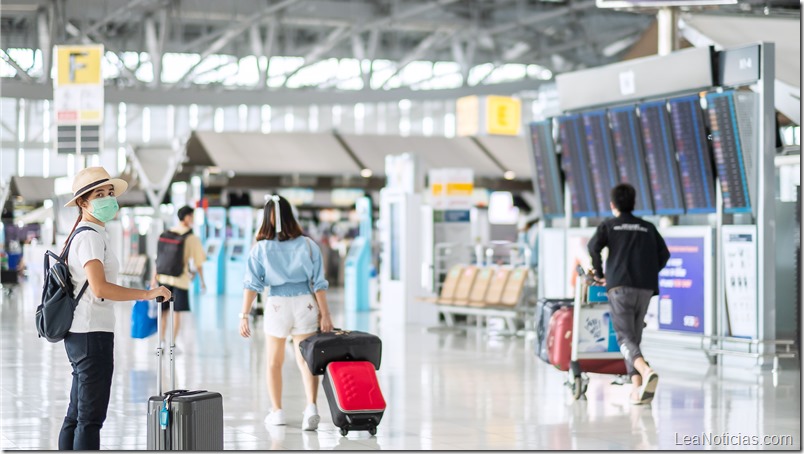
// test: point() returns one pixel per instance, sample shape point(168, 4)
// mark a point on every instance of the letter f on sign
point(76, 65)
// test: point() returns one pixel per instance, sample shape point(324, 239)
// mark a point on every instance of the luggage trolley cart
point(594, 345)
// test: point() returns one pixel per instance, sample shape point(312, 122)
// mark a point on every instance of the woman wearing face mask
point(290, 265)
point(90, 342)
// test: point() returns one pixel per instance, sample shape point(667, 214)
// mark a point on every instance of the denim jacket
point(286, 267)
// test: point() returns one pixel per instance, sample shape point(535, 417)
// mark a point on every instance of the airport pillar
point(667, 19)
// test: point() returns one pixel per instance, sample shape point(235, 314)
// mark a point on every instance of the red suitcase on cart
point(559, 347)
point(354, 395)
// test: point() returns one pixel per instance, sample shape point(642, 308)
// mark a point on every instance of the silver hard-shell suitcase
point(181, 420)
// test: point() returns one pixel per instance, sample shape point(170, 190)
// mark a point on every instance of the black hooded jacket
point(637, 252)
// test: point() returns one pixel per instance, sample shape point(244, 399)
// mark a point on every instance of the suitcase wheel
point(577, 388)
point(579, 385)
point(373, 430)
point(344, 431)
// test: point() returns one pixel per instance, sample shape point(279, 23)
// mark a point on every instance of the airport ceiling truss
point(557, 35)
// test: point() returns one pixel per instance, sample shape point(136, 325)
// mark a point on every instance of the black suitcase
point(545, 309)
point(355, 399)
point(180, 419)
point(321, 349)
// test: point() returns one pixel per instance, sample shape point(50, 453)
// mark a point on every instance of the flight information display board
point(694, 158)
point(660, 158)
point(601, 158)
point(728, 152)
point(547, 181)
point(575, 162)
point(630, 158)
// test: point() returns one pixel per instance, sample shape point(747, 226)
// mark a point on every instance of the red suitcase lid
point(355, 386)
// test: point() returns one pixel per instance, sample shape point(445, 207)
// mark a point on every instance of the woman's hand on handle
point(159, 291)
point(325, 323)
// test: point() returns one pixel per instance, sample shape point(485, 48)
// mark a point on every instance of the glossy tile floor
point(445, 391)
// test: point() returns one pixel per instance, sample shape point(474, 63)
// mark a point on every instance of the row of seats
point(470, 285)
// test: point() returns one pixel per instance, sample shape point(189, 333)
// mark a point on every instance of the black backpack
point(170, 253)
point(54, 316)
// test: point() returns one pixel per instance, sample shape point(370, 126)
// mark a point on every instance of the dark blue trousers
point(92, 358)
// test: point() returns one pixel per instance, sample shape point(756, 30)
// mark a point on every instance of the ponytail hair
point(288, 227)
point(77, 221)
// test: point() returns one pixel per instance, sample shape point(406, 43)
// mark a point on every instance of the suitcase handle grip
point(318, 330)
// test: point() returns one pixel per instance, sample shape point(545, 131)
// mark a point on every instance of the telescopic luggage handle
point(160, 349)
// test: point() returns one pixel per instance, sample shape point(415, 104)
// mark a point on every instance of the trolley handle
point(588, 277)
point(160, 350)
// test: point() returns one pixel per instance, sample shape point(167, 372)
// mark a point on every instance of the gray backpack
point(54, 316)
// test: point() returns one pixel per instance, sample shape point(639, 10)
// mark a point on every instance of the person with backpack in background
point(175, 249)
point(90, 340)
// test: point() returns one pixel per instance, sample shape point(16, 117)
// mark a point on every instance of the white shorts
point(286, 315)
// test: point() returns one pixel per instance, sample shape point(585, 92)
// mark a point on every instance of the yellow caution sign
point(78, 65)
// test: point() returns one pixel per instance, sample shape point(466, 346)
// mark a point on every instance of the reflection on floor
point(445, 391)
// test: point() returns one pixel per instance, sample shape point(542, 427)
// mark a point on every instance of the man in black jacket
point(637, 252)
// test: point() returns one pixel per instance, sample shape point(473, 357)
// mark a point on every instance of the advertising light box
point(681, 286)
point(684, 303)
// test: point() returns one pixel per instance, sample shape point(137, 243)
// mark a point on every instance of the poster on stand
point(740, 275)
point(681, 286)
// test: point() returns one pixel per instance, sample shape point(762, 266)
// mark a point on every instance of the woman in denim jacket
point(289, 264)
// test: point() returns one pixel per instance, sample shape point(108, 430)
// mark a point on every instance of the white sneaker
point(275, 418)
point(310, 418)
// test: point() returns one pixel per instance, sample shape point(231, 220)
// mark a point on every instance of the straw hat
point(92, 178)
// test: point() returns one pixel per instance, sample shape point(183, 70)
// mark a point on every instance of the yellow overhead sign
point(78, 65)
point(503, 115)
point(488, 115)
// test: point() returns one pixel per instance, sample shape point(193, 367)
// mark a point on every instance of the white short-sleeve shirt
point(92, 313)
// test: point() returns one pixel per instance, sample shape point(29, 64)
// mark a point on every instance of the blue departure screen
point(601, 158)
point(575, 162)
point(630, 158)
point(694, 158)
point(728, 152)
point(660, 158)
point(547, 180)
